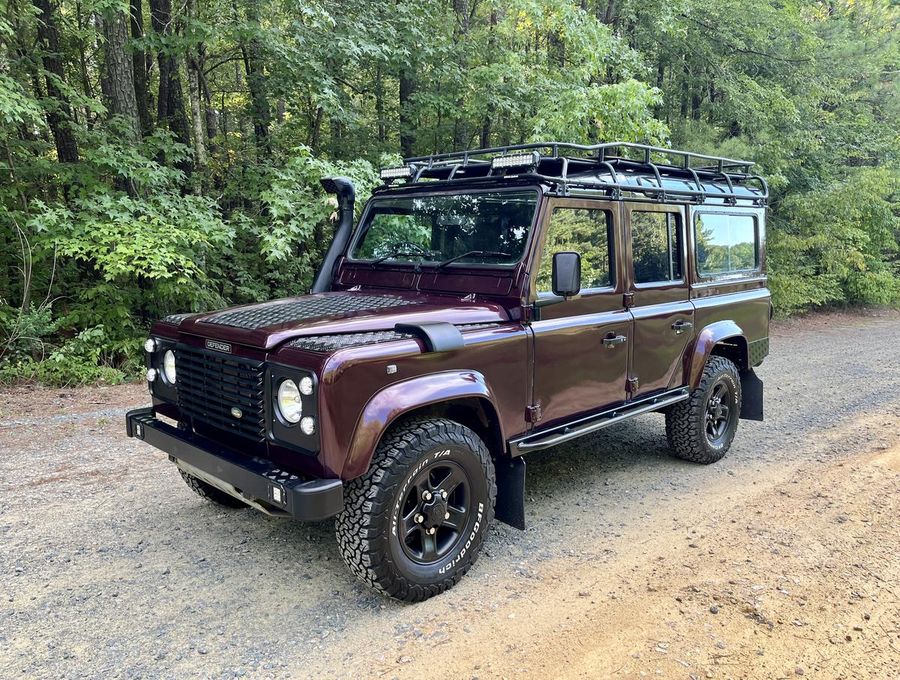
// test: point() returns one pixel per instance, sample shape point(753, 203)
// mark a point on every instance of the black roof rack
point(613, 167)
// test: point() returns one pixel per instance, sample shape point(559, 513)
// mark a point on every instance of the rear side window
point(726, 244)
point(586, 231)
point(655, 246)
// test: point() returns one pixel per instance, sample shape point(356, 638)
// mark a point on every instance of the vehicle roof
point(656, 173)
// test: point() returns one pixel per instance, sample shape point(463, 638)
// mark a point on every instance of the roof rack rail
point(535, 160)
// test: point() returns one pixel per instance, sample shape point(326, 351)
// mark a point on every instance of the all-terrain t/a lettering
point(487, 304)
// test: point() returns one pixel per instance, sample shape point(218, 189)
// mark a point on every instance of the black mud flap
point(510, 507)
point(751, 396)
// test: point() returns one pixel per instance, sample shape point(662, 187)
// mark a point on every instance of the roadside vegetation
point(162, 157)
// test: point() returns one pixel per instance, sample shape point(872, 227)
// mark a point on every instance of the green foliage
point(130, 229)
point(840, 243)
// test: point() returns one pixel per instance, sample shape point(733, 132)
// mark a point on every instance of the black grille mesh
point(261, 316)
point(211, 384)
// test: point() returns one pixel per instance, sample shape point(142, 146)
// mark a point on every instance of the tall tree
point(251, 50)
point(407, 129)
point(194, 69)
point(170, 101)
point(119, 73)
point(59, 112)
point(139, 67)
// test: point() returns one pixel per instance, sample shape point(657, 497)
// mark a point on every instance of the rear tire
point(701, 428)
point(209, 492)
point(413, 525)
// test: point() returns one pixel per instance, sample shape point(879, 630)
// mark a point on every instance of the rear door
point(657, 281)
point(581, 345)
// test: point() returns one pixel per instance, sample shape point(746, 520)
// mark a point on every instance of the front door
point(663, 314)
point(581, 345)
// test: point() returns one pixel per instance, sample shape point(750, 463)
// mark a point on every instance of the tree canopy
point(165, 156)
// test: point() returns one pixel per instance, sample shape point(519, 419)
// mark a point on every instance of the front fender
point(708, 338)
point(402, 397)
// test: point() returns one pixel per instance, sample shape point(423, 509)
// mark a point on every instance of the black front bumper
point(277, 491)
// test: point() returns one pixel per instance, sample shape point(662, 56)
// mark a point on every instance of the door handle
point(681, 326)
point(611, 340)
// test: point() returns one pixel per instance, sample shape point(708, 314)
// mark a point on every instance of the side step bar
point(586, 425)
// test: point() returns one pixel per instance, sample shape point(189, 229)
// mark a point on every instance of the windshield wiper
point(394, 253)
point(479, 253)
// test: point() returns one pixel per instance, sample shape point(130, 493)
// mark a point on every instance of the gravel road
point(779, 561)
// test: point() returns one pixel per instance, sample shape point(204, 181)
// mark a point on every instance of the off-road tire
point(209, 492)
point(686, 421)
point(368, 530)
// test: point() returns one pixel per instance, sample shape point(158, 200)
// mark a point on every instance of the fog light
point(151, 374)
point(308, 425)
point(278, 495)
point(306, 386)
point(150, 345)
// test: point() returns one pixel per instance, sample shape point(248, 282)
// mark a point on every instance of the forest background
point(160, 156)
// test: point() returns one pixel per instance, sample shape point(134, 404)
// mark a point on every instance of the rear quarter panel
point(743, 300)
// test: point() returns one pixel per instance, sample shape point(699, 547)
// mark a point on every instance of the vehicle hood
point(268, 324)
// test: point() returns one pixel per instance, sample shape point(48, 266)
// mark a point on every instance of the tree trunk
point(170, 104)
point(212, 115)
point(119, 75)
point(139, 67)
point(379, 105)
point(256, 82)
point(194, 96)
point(407, 132)
point(59, 115)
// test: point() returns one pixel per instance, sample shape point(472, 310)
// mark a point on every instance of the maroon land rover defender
point(489, 303)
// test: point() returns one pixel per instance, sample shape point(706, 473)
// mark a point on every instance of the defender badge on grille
point(218, 346)
point(236, 412)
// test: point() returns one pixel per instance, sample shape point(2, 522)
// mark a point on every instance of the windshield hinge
point(628, 300)
point(533, 413)
point(631, 385)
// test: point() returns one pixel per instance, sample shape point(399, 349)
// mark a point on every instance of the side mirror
point(566, 275)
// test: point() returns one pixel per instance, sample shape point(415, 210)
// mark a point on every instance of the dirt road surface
point(782, 560)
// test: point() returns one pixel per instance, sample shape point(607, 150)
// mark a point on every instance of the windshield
point(485, 228)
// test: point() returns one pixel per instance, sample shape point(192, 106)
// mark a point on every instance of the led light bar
point(516, 160)
point(401, 172)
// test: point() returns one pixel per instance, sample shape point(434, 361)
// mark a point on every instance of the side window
point(726, 244)
point(655, 246)
point(587, 232)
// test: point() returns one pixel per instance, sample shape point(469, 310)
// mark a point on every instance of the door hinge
point(533, 413)
point(628, 300)
point(631, 385)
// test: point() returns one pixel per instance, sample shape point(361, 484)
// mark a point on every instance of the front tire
point(413, 525)
point(701, 428)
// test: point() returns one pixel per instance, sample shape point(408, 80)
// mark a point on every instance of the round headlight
point(150, 345)
point(169, 366)
point(308, 425)
point(151, 374)
point(290, 405)
point(306, 386)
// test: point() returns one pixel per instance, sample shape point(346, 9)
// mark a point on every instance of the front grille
point(211, 384)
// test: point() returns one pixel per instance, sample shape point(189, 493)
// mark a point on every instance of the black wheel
point(701, 428)
point(413, 525)
point(209, 492)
